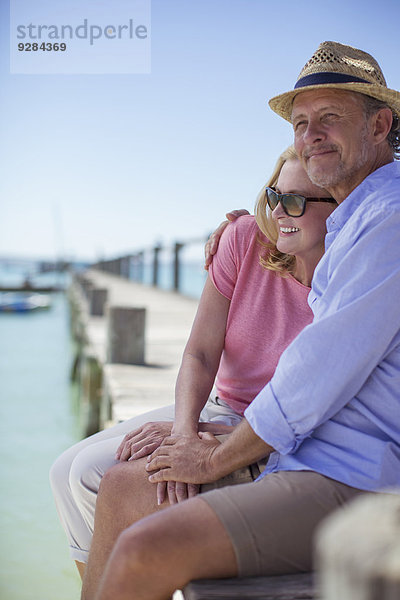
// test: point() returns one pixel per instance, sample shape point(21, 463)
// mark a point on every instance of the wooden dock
point(120, 391)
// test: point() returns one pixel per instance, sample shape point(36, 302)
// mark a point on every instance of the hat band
point(324, 78)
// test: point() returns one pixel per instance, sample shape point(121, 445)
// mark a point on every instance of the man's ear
point(382, 122)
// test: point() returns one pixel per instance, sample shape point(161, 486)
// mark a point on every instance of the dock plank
point(278, 587)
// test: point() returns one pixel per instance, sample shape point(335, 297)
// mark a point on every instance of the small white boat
point(24, 303)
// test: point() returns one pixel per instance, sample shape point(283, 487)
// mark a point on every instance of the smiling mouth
point(320, 153)
point(289, 229)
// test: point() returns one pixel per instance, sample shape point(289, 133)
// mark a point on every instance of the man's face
point(331, 137)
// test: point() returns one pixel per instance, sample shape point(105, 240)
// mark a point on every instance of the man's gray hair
point(371, 106)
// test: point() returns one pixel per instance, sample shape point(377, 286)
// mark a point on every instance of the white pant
point(75, 476)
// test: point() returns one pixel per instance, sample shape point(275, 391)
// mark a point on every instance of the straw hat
point(341, 67)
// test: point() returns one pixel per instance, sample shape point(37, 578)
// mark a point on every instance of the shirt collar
point(343, 212)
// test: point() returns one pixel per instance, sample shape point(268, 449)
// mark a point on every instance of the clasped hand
point(184, 458)
point(148, 438)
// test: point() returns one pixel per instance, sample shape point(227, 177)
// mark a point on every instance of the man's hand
point(204, 459)
point(213, 241)
point(184, 458)
point(143, 441)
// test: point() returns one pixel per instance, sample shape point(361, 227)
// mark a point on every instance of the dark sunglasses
point(294, 205)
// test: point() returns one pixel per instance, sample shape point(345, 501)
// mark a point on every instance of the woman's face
point(301, 236)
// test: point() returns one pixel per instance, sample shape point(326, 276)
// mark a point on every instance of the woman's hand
point(213, 241)
point(176, 491)
point(143, 441)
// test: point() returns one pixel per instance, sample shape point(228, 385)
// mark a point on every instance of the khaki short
point(271, 522)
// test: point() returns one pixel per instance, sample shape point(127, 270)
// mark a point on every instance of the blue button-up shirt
point(333, 404)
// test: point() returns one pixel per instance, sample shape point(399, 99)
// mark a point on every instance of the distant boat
point(23, 303)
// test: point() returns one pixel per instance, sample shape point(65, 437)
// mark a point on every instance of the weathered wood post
point(97, 300)
point(358, 550)
point(140, 256)
point(156, 251)
point(91, 385)
point(77, 326)
point(126, 335)
point(177, 248)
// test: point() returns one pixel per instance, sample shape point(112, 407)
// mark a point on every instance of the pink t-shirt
point(266, 313)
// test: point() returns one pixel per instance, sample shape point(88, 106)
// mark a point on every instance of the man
point(330, 417)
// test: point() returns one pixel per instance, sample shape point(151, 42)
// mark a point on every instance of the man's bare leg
point(164, 551)
point(124, 497)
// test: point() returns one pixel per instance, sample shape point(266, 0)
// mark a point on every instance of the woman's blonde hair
point(271, 258)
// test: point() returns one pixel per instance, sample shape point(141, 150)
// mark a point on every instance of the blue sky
point(101, 165)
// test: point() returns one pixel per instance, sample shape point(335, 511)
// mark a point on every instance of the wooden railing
point(132, 266)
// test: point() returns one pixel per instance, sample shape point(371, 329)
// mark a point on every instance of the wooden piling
point(97, 301)
point(156, 251)
point(126, 335)
point(91, 390)
point(177, 248)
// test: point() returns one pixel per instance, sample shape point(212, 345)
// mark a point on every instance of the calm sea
point(39, 418)
point(192, 277)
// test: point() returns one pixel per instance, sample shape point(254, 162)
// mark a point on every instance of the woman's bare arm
point(200, 360)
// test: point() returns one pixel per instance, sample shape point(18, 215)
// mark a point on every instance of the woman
point(247, 316)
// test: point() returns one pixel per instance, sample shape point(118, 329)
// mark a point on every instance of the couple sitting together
point(306, 413)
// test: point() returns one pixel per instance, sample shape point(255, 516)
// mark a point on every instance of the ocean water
point(39, 418)
point(192, 277)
